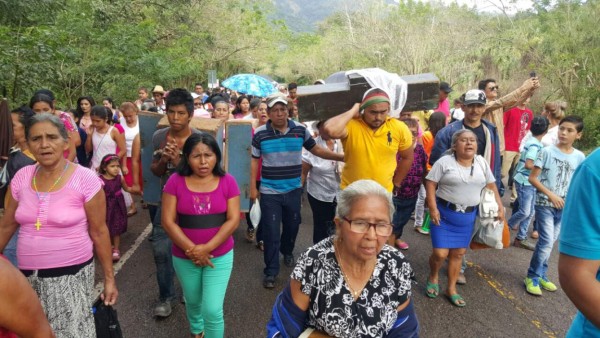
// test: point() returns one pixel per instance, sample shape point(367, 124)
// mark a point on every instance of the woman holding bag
point(454, 187)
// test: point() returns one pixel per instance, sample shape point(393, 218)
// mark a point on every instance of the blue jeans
point(161, 248)
point(277, 209)
point(526, 210)
point(404, 208)
point(548, 219)
point(10, 250)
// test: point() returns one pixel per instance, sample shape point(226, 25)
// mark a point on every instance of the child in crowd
point(116, 211)
point(551, 177)
point(525, 208)
point(405, 196)
point(437, 121)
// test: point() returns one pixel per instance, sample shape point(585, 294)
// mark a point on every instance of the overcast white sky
point(493, 5)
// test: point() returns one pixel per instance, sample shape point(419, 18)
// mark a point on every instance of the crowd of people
point(71, 176)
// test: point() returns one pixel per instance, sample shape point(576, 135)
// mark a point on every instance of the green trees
point(462, 46)
point(110, 47)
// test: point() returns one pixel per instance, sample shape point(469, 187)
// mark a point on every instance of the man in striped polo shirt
point(280, 143)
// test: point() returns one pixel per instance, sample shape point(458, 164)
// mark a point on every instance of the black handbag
point(107, 323)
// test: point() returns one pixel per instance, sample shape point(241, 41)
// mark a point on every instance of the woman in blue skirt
point(454, 187)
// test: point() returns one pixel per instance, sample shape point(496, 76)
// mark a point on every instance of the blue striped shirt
point(281, 156)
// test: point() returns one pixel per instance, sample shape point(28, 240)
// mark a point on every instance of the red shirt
point(516, 124)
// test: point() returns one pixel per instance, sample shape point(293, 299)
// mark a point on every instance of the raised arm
point(335, 127)
point(513, 98)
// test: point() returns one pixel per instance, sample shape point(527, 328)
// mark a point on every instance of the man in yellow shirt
point(371, 141)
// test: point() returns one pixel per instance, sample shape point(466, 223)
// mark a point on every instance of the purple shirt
point(409, 188)
point(202, 203)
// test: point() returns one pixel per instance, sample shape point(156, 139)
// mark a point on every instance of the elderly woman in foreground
point(60, 207)
point(351, 284)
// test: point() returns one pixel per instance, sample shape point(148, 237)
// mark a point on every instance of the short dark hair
point(576, 120)
point(25, 114)
point(179, 96)
point(184, 169)
point(254, 103)
point(483, 83)
point(199, 84)
point(292, 85)
point(411, 123)
point(539, 125)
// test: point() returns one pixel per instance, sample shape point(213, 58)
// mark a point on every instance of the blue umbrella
point(250, 84)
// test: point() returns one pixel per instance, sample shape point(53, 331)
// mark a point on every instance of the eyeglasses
point(360, 226)
point(494, 88)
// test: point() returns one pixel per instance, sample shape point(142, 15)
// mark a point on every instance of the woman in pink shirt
point(200, 212)
point(60, 207)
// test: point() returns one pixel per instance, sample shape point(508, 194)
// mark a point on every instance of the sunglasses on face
point(494, 88)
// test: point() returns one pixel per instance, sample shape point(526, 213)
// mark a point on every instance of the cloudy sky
point(493, 5)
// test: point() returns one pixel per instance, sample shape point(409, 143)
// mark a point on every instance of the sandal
point(131, 213)
point(260, 245)
point(435, 289)
point(535, 234)
point(116, 255)
point(456, 300)
point(402, 245)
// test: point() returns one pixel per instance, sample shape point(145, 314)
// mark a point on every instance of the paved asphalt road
point(497, 304)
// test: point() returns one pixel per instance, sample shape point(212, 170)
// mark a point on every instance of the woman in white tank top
point(131, 125)
point(103, 139)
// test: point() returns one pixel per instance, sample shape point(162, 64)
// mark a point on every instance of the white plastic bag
point(255, 214)
point(488, 230)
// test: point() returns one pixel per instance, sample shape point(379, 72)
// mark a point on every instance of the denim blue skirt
point(455, 229)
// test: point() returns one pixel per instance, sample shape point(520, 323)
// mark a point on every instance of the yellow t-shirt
point(371, 154)
point(423, 117)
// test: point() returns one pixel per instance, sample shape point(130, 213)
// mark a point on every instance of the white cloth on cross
point(391, 83)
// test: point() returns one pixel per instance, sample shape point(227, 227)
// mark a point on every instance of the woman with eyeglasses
point(453, 188)
point(352, 284)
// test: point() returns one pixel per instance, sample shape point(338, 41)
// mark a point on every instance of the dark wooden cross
point(320, 102)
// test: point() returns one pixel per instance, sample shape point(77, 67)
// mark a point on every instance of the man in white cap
point(279, 143)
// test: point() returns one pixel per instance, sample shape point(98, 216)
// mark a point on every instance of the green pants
point(204, 290)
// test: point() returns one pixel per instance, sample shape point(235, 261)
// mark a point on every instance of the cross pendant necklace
point(38, 223)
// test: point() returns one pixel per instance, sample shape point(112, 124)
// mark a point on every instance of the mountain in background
point(305, 15)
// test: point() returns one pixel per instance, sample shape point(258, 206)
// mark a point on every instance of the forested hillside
point(110, 47)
